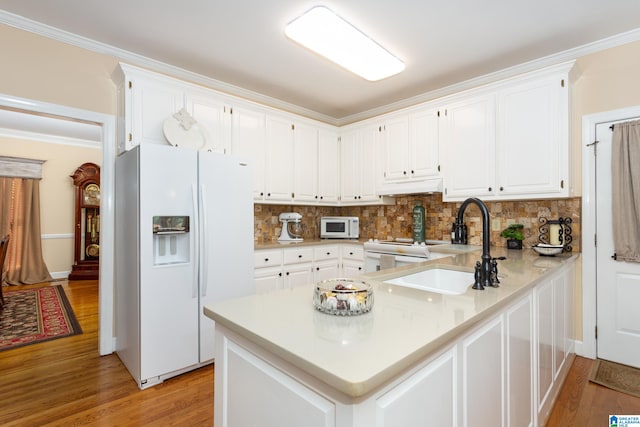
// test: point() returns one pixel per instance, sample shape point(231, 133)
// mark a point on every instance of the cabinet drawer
point(355, 252)
point(267, 258)
point(296, 255)
point(324, 252)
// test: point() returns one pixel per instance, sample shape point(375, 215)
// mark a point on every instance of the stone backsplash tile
point(391, 221)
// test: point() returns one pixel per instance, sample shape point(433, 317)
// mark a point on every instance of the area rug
point(616, 377)
point(35, 315)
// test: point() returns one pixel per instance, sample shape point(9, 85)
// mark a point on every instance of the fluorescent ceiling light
point(327, 34)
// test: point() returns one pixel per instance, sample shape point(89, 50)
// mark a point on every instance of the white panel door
point(618, 282)
point(423, 143)
point(248, 138)
point(328, 166)
point(305, 163)
point(279, 157)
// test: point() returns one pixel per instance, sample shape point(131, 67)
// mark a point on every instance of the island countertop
point(357, 354)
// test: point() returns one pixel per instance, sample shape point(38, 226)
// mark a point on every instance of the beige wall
point(39, 68)
point(57, 193)
point(607, 80)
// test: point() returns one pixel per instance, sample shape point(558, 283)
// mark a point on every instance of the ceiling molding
point(558, 58)
point(19, 22)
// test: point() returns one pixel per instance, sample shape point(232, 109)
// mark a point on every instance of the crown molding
point(154, 65)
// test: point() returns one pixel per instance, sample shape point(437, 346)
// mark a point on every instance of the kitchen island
point(492, 357)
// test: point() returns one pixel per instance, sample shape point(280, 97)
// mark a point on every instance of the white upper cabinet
point(411, 152)
point(395, 137)
point(510, 140)
point(305, 163)
point(532, 137)
point(248, 141)
point(213, 117)
point(469, 143)
point(145, 101)
point(328, 166)
point(279, 159)
point(360, 169)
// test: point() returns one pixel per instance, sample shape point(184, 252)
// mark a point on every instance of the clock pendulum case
point(86, 248)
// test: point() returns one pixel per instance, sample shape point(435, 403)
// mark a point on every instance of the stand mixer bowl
point(295, 229)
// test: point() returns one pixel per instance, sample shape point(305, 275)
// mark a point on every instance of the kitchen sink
point(439, 280)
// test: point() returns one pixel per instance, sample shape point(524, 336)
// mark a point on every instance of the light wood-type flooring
point(65, 382)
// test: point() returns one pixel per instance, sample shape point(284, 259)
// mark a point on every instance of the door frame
point(588, 346)
point(107, 199)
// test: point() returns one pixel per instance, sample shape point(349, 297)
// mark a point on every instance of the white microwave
point(339, 227)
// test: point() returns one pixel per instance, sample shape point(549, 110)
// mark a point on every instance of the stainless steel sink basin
point(439, 280)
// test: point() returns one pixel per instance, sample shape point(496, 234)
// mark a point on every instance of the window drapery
point(20, 218)
point(625, 191)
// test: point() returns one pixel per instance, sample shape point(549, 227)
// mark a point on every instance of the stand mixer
point(291, 227)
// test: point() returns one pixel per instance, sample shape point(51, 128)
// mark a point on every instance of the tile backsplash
point(391, 221)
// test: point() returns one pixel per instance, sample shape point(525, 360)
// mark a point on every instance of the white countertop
point(357, 354)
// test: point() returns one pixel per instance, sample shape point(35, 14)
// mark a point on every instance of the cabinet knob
point(501, 188)
point(266, 260)
point(287, 273)
point(328, 253)
point(262, 193)
point(350, 253)
point(412, 172)
point(404, 172)
point(280, 274)
point(490, 189)
point(359, 268)
point(317, 268)
point(321, 197)
point(268, 194)
point(300, 256)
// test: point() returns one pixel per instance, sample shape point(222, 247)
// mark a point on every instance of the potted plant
point(514, 236)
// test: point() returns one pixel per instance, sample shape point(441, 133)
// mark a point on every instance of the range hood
point(431, 185)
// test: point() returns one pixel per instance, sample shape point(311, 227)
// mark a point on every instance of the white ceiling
point(242, 42)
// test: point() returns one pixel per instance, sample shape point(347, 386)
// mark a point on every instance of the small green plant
point(514, 232)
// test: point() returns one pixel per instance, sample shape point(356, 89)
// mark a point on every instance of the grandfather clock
point(86, 249)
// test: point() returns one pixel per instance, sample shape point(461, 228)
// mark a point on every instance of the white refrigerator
point(184, 238)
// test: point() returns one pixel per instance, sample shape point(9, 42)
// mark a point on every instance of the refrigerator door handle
point(196, 242)
point(203, 248)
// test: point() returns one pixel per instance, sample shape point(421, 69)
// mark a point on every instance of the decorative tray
point(343, 297)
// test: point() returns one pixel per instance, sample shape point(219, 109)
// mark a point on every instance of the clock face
point(91, 195)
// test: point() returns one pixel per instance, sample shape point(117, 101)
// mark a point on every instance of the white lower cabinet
point(553, 314)
point(305, 265)
point(482, 376)
point(519, 362)
point(503, 372)
point(262, 395)
point(427, 398)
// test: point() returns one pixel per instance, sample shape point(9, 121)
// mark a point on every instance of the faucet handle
point(493, 277)
point(477, 276)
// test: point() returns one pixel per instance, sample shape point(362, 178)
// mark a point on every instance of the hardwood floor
point(65, 382)
point(585, 404)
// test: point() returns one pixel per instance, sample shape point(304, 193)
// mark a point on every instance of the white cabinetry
point(328, 167)
point(469, 167)
point(279, 159)
point(554, 314)
point(145, 101)
point(352, 257)
point(359, 168)
point(532, 137)
point(411, 160)
point(248, 136)
point(326, 262)
point(304, 265)
point(510, 140)
point(427, 398)
point(504, 371)
point(263, 395)
point(213, 117)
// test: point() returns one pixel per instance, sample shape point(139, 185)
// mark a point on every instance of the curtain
point(20, 218)
point(625, 192)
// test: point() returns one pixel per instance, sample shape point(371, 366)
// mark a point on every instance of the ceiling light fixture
point(327, 34)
